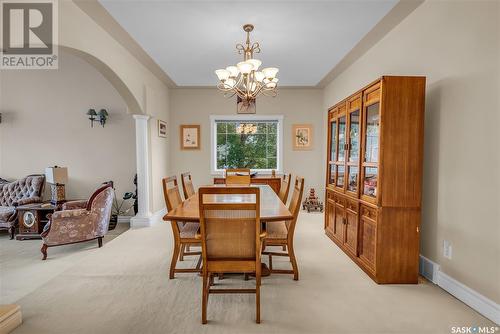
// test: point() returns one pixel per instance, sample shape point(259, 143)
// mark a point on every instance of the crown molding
point(102, 17)
point(397, 14)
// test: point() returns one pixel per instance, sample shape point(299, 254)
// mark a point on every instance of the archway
point(141, 133)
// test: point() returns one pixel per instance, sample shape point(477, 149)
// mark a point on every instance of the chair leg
point(204, 299)
point(293, 260)
point(257, 300)
point(211, 280)
point(183, 249)
point(270, 262)
point(246, 276)
point(99, 242)
point(284, 248)
point(12, 231)
point(44, 251)
point(175, 255)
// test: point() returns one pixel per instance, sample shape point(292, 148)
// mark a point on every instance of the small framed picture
point(302, 137)
point(162, 129)
point(190, 137)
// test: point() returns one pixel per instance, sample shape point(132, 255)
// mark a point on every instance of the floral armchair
point(20, 192)
point(78, 222)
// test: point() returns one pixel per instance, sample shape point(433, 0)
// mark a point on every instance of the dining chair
point(281, 233)
point(187, 185)
point(285, 188)
point(184, 233)
point(231, 240)
point(238, 176)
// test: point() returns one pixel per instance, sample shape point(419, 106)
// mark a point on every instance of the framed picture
point(162, 129)
point(245, 106)
point(302, 137)
point(190, 137)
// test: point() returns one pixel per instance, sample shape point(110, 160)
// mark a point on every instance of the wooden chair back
point(171, 192)
point(285, 188)
point(230, 230)
point(187, 184)
point(294, 206)
point(238, 176)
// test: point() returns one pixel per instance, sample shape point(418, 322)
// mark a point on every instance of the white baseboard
point(474, 299)
point(158, 215)
point(124, 219)
point(139, 222)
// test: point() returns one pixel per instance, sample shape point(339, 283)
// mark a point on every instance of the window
point(246, 142)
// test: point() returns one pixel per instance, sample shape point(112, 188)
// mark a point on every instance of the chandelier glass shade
point(246, 79)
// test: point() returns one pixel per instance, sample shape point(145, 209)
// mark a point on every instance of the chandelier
point(245, 79)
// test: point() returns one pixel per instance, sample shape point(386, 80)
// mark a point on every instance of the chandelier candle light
point(245, 79)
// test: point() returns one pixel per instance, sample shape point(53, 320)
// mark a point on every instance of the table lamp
point(57, 177)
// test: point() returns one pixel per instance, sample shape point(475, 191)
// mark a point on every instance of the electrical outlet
point(447, 249)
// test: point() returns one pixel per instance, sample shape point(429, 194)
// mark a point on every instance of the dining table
point(271, 208)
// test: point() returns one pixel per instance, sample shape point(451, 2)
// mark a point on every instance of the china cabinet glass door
point(353, 146)
point(371, 151)
point(341, 151)
point(332, 151)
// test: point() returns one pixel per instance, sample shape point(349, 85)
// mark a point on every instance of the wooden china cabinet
point(374, 177)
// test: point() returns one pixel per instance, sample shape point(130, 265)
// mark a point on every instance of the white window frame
point(213, 140)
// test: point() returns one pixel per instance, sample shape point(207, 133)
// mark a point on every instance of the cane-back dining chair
point(184, 233)
point(187, 184)
point(285, 188)
point(281, 233)
point(230, 239)
point(238, 176)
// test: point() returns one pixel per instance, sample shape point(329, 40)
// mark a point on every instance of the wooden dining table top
point(271, 207)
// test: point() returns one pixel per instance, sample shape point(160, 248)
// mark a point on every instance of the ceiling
point(304, 39)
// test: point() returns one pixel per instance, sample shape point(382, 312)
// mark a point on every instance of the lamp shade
point(56, 175)
point(255, 62)
point(245, 67)
point(233, 70)
point(222, 74)
point(270, 72)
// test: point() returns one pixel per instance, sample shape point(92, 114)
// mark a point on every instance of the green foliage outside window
point(256, 150)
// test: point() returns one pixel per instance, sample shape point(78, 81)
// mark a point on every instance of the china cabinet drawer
point(329, 195)
point(352, 205)
point(368, 212)
point(339, 200)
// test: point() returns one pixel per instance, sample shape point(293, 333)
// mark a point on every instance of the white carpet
point(21, 267)
point(124, 288)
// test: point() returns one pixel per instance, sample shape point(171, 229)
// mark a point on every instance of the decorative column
point(143, 217)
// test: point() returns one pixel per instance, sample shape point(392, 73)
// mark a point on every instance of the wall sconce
point(103, 116)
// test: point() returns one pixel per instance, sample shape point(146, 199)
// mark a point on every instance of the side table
point(32, 219)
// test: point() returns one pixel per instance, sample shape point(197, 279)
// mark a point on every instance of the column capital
point(141, 116)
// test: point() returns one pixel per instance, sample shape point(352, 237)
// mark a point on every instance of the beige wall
point(456, 45)
point(194, 106)
point(45, 124)
point(157, 106)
